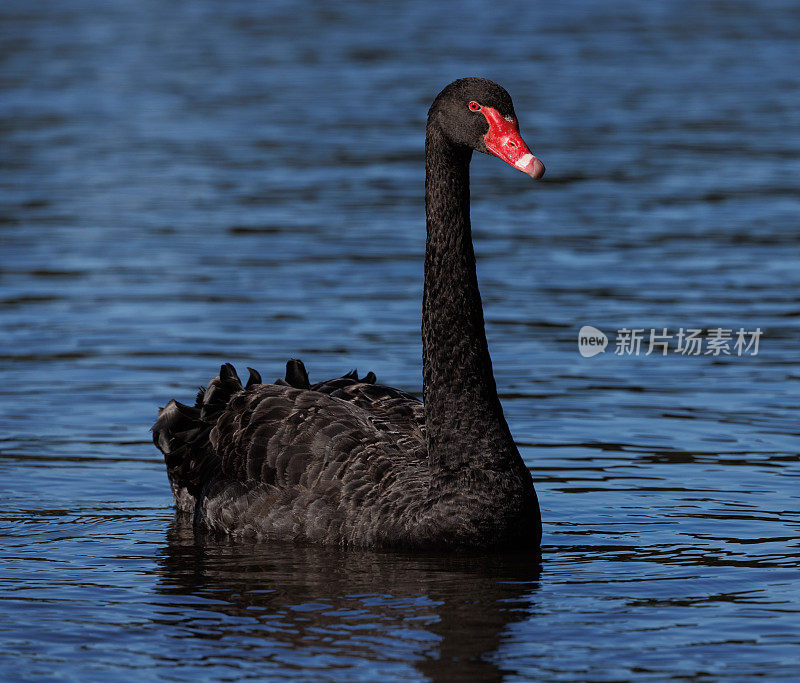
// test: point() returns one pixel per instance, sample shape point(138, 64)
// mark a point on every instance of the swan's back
point(341, 462)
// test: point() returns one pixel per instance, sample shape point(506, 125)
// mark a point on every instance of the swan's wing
point(393, 410)
point(396, 411)
point(291, 462)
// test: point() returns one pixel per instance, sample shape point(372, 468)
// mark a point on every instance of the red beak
point(504, 141)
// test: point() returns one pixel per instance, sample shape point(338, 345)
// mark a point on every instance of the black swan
point(349, 461)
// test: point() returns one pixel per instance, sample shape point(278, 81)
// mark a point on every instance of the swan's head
point(479, 114)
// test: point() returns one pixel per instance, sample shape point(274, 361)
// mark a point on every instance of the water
point(195, 182)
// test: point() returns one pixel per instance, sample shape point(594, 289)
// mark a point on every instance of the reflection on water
point(188, 183)
point(442, 617)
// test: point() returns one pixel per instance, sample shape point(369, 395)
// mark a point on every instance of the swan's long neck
point(465, 426)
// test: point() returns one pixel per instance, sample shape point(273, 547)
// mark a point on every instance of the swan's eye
point(474, 106)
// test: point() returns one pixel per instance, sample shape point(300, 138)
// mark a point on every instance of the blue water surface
point(193, 182)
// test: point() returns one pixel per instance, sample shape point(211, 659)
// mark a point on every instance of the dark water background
point(186, 183)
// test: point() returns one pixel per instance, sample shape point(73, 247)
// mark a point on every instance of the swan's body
point(352, 462)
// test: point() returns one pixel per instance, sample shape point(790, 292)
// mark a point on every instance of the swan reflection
point(326, 609)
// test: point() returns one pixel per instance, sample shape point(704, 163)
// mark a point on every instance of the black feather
point(296, 374)
point(255, 378)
